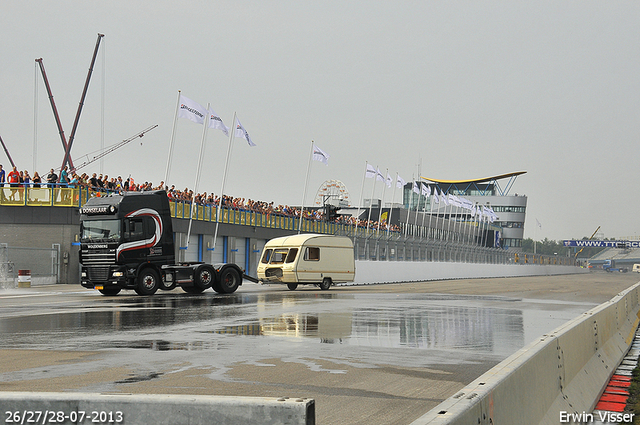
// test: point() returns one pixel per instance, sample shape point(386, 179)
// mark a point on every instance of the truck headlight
point(84, 274)
point(118, 274)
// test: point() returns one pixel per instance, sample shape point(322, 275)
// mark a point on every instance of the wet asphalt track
point(382, 354)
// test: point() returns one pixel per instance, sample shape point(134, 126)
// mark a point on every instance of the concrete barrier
point(564, 371)
point(68, 408)
point(407, 271)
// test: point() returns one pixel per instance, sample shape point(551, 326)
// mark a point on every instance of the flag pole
point(171, 143)
point(366, 163)
point(424, 207)
point(197, 182)
point(304, 192)
point(393, 198)
point(371, 200)
point(406, 226)
point(415, 221)
point(224, 178)
point(384, 188)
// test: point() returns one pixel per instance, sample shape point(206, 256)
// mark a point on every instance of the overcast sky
point(460, 89)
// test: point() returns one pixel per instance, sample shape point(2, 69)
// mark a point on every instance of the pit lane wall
point(418, 271)
point(564, 371)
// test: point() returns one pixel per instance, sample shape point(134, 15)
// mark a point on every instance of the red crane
point(67, 146)
point(7, 152)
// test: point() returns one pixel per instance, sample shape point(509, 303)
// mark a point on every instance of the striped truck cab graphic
point(146, 243)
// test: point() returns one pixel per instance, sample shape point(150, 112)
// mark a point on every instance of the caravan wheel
point(326, 283)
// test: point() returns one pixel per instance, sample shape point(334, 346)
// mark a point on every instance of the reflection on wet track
point(494, 326)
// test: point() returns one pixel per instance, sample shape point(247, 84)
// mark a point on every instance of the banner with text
point(602, 244)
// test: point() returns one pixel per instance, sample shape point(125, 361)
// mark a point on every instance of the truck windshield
point(100, 230)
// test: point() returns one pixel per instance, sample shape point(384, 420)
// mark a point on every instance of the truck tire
point(229, 280)
point(292, 286)
point(204, 277)
point(326, 283)
point(167, 286)
point(110, 291)
point(148, 282)
point(192, 289)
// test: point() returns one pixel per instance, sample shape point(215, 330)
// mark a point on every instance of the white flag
point(371, 172)
point(241, 132)
point(416, 189)
point(379, 175)
point(191, 110)
point(320, 155)
point(435, 196)
point(443, 197)
point(216, 122)
point(466, 204)
point(485, 212)
point(425, 190)
point(389, 180)
point(400, 182)
point(492, 215)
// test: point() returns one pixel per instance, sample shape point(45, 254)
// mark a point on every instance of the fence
point(44, 264)
point(441, 240)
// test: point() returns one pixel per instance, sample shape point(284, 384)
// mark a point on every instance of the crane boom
point(115, 147)
point(7, 152)
point(594, 233)
point(53, 106)
point(67, 152)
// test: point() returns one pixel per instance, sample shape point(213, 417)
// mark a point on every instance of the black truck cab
point(127, 243)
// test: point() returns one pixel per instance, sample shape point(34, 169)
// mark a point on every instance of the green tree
point(551, 247)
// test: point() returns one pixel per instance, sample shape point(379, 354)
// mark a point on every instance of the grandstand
point(624, 257)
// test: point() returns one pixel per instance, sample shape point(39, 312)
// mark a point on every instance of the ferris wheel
point(332, 192)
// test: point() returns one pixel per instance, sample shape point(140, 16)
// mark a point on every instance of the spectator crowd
point(99, 183)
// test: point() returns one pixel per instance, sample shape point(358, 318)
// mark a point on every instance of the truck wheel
point(326, 283)
point(204, 277)
point(113, 290)
point(167, 286)
point(192, 289)
point(292, 286)
point(148, 282)
point(216, 287)
point(229, 280)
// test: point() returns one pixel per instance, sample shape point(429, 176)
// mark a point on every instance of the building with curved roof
point(492, 192)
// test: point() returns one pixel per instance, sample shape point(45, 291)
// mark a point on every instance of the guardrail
point(564, 371)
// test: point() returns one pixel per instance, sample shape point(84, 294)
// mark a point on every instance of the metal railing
point(410, 243)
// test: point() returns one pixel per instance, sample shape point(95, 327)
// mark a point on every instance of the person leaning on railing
point(14, 182)
point(36, 179)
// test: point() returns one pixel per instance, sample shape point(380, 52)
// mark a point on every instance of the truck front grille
point(98, 258)
point(98, 274)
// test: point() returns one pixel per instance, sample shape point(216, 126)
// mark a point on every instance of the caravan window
point(312, 254)
point(278, 256)
point(267, 256)
point(291, 256)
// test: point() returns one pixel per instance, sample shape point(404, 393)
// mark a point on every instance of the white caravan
point(307, 259)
